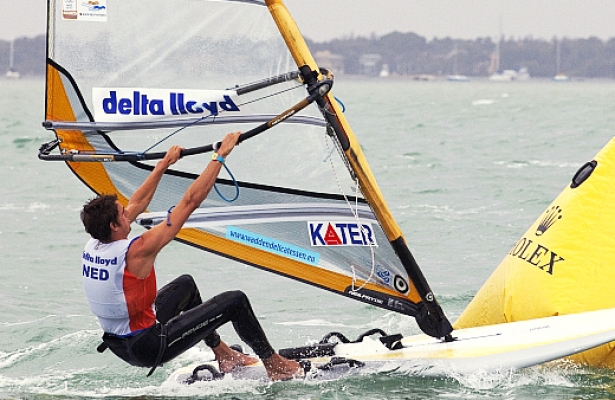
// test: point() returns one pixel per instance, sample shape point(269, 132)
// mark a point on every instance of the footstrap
point(195, 377)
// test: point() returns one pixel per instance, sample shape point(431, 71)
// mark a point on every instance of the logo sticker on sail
point(272, 245)
point(91, 10)
point(383, 274)
point(331, 233)
point(140, 104)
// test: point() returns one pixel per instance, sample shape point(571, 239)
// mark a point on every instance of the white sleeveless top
point(103, 270)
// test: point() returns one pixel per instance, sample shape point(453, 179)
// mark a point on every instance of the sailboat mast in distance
point(12, 73)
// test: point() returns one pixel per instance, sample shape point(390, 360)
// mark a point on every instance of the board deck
point(491, 348)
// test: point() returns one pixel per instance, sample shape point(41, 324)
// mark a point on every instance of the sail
point(126, 80)
point(563, 264)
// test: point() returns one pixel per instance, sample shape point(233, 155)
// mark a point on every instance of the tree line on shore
point(28, 55)
point(410, 54)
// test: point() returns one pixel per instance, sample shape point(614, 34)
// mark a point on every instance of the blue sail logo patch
point(272, 245)
point(331, 233)
point(145, 104)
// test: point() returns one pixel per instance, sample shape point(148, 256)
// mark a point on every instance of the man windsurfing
point(147, 328)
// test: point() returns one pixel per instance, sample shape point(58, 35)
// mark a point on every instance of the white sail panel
point(292, 201)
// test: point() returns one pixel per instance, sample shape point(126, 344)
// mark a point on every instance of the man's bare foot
point(228, 358)
point(281, 369)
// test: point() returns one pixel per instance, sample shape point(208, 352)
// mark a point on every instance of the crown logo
point(550, 217)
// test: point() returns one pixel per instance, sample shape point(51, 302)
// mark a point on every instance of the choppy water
point(465, 168)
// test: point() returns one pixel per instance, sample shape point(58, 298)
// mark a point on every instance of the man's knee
point(185, 280)
point(236, 297)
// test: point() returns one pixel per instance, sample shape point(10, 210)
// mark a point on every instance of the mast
point(11, 73)
point(11, 55)
point(559, 75)
point(498, 46)
point(433, 321)
point(558, 57)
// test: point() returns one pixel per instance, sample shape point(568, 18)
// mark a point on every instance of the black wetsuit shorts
point(183, 320)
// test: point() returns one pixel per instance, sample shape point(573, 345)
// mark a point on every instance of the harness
point(120, 346)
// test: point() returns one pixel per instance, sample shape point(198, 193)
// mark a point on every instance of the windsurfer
point(147, 328)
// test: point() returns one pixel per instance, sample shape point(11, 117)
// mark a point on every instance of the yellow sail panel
point(281, 265)
point(60, 108)
point(563, 264)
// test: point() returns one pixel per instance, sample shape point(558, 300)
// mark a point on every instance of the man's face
point(123, 222)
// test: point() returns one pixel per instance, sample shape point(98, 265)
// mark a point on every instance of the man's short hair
point(97, 216)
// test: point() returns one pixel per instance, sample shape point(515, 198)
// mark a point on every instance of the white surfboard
point(489, 348)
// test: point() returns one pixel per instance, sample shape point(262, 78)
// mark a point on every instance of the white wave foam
point(33, 207)
point(555, 374)
point(536, 163)
point(8, 359)
point(483, 102)
point(313, 322)
point(9, 207)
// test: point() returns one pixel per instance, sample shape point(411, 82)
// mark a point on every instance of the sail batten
point(266, 213)
point(109, 126)
point(307, 205)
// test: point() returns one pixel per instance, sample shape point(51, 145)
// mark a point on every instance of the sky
point(323, 20)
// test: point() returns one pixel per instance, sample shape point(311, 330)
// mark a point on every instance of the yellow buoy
point(563, 264)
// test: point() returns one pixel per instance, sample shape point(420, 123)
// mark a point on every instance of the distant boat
point(11, 73)
point(523, 74)
point(494, 64)
point(559, 75)
point(456, 77)
point(561, 78)
point(424, 77)
point(508, 75)
point(384, 72)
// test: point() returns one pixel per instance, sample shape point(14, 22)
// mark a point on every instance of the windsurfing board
point(492, 348)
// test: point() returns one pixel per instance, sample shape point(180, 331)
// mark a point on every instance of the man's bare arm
point(143, 195)
point(143, 251)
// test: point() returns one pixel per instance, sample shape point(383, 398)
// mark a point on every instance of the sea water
point(464, 167)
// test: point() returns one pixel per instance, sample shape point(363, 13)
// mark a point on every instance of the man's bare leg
point(280, 368)
point(228, 358)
